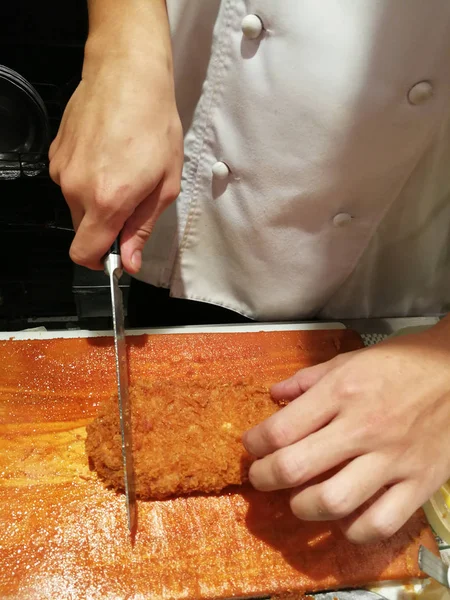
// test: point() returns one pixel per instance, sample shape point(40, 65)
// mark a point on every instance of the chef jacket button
point(420, 93)
point(220, 170)
point(252, 27)
point(342, 219)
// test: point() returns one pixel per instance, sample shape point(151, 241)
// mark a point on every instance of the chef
point(311, 144)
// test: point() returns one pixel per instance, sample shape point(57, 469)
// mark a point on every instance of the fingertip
point(131, 257)
point(287, 389)
point(257, 479)
point(251, 477)
point(136, 260)
point(252, 442)
point(245, 441)
point(355, 534)
point(276, 390)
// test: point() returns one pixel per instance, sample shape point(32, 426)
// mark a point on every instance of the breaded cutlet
point(186, 436)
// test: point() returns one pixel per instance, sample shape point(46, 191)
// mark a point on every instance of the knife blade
point(113, 268)
point(434, 567)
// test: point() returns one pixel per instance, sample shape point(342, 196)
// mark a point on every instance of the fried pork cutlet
point(186, 436)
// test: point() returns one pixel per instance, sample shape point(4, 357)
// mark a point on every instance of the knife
point(434, 566)
point(113, 268)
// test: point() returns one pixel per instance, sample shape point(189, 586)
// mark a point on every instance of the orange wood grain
point(64, 536)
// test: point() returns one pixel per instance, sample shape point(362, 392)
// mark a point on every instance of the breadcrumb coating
point(186, 436)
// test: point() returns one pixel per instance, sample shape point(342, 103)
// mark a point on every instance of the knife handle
point(113, 261)
point(115, 247)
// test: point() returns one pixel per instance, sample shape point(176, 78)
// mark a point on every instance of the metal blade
point(433, 566)
point(114, 269)
point(348, 595)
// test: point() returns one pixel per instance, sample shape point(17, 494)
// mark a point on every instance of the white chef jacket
point(316, 180)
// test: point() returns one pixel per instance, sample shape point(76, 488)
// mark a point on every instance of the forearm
point(136, 28)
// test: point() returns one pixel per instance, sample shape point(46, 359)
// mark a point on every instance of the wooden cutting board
point(64, 536)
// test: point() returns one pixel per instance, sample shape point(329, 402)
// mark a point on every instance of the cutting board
point(64, 536)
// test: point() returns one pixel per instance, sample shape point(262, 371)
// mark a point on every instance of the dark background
point(43, 40)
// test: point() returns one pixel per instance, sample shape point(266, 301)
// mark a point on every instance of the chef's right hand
point(118, 154)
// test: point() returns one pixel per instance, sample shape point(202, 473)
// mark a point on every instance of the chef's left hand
point(379, 417)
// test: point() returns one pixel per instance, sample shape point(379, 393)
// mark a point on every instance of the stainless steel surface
point(378, 328)
point(370, 339)
point(348, 595)
point(113, 267)
point(387, 326)
point(434, 567)
point(370, 330)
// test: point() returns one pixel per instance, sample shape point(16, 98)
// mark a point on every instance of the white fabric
point(314, 120)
